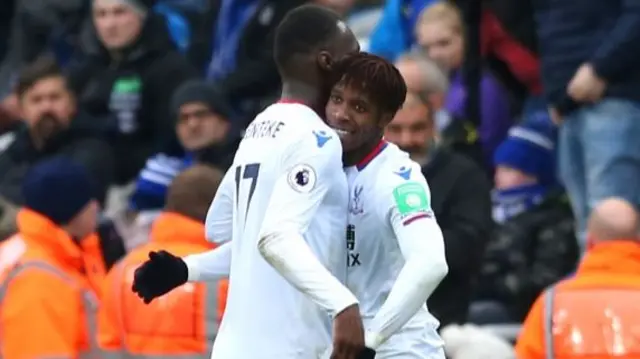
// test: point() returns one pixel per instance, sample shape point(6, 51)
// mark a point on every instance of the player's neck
point(296, 91)
point(358, 155)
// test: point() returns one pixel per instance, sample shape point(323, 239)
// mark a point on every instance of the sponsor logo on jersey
point(404, 172)
point(302, 178)
point(355, 207)
point(321, 138)
point(412, 201)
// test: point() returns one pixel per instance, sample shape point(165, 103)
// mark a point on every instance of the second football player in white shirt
point(396, 256)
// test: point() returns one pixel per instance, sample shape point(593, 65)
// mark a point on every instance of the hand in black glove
point(367, 353)
point(159, 275)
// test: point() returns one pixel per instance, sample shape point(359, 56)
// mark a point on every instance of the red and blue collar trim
point(290, 101)
point(373, 154)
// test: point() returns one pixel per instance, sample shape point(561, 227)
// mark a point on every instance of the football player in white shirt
point(396, 256)
point(283, 202)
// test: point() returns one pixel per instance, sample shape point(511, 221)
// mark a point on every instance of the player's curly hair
point(377, 77)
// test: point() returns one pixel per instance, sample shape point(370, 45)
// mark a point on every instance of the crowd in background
point(521, 114)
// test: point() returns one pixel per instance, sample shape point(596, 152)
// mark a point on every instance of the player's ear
point(325, 61)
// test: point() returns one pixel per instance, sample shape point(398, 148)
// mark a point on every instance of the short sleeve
point(309, 169)
point(219, 222)
point(39, 308)
point(404, 196)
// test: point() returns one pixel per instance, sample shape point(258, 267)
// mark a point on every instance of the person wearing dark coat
point(126, 77)
point(52, 126)
point(460, 198)
point(533, 245)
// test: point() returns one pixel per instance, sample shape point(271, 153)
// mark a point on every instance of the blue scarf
point(512, 202)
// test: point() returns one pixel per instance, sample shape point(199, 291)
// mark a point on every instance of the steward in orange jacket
point(595, 314)
point(184, 322)
point(47, 302)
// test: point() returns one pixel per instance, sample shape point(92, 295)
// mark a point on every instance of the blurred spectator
point(241, 61)
point(440, 33)
point(127, 78)
point(394, 33)
point(52, 126)
point(36, 28)
point(534, 244)
point(203, 130)
point(47, 290)
point(425, 78)
point(510, 47)
point(185, 321)
point(472, 342)
point(592, 81)
point(459, 198)
point(595, 313)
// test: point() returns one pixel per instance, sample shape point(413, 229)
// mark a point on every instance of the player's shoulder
point(303, 126)
point(398, 168)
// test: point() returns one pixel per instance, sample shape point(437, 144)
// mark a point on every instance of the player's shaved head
point(192, 191)
point(306, 31)
point(613, 218)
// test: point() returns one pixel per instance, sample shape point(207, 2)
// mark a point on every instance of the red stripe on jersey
point(290, 100)
point(368, 158)
point(415, 218)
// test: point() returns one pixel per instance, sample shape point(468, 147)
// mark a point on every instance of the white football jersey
point(387, 190)
point(287, 152)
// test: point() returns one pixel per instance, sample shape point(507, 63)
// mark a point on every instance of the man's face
point(353, 115)
point(48, 106)
point(412, 129)
point(198, 127)
point(506, 178)
point(118, 25)
point(442, 44)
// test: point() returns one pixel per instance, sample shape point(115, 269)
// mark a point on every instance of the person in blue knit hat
point(62, 191)
point(533, 244)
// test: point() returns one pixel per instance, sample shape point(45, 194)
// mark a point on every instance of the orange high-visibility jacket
point(47, 303)
point(182, 323)
point(594, 315)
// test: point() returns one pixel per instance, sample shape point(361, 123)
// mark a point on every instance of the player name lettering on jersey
point(262, 129)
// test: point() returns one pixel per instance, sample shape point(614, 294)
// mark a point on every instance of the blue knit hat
point(531, 148)
point(57, 189)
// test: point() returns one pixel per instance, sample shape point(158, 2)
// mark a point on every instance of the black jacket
point(460, 198)
point(132, 97)
point(605, 33)
point(528, 253)
point(80, 142)
point(256, 75)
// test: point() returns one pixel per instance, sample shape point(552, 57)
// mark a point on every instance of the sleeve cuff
point(193, 272)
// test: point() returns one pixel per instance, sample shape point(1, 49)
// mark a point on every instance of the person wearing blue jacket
point(394, 33)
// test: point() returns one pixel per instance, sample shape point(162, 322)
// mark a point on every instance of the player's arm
point(209, 266)
point(296, 197)
point(216, 263)
point(407, 209)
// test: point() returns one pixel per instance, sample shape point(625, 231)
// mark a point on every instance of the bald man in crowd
point(426, 79)
point(600, 303)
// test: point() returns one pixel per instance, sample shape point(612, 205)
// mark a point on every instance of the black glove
point(367, 353)
point(159, 275)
